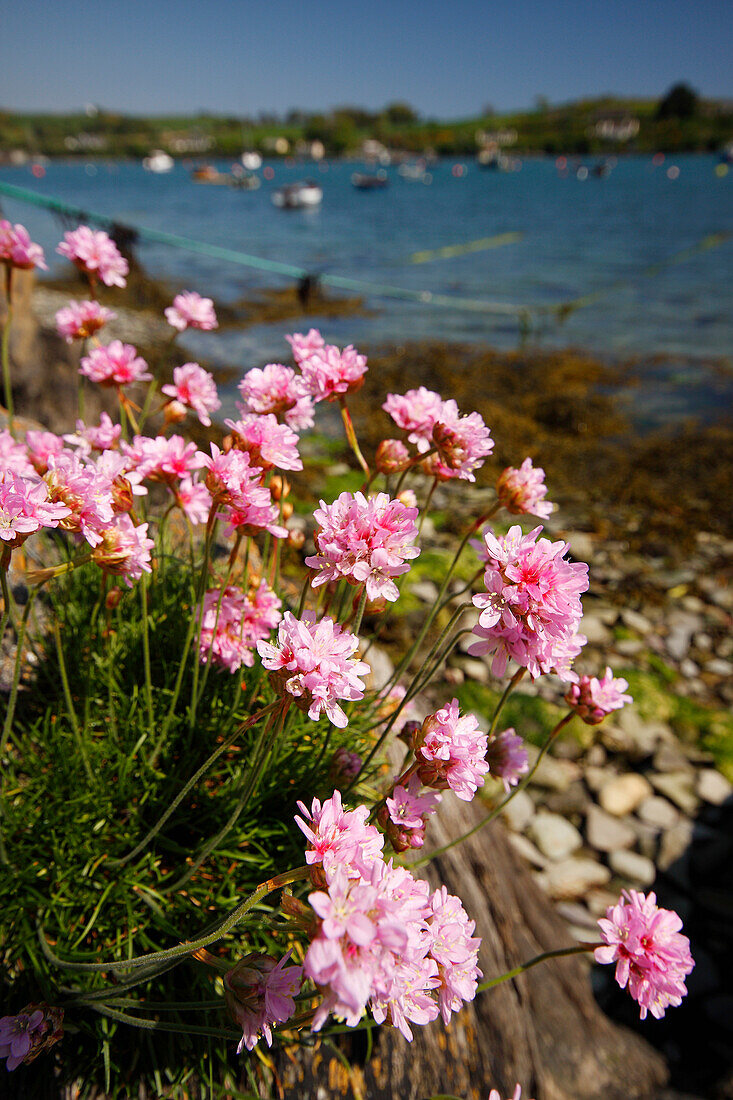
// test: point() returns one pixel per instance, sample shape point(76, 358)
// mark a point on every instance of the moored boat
point(299, 195)
point(158, 161)
point(365, 182)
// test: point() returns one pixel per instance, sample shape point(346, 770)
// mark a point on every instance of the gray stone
point(606, 833)
point(635, 621)
point(596, 756)
point(647, 837)
point(555, 837)
point(426, 591)
point(519, 812)
point(598, 901)
point(681, 626)
point(629, 647)
point(527, 851)
point(577, 914)
point(598, 777)
point(572, 878)
point(678, 788)
point(688, 668)
point(713, 787)
point(595, 630)
point(621, 795)
point(671, 758)
point(658, 812)
point(719, 667)
point(637, 869)
point(474, 669)
point(554, 775)
point(703, 642)
point(581, 546)
point(570, 803)
point(675, 844)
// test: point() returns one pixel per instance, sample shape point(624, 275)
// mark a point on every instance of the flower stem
point(351, 437)
point(6, 348)
point(69, 702)
point(579, 949)
point(507, 692)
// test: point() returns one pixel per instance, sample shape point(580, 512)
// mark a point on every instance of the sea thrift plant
point(204, 658)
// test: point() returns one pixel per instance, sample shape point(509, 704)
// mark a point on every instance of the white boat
point(251, 161)
point(158, 161)
point(296, 196)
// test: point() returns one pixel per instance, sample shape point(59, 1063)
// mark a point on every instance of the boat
point(365, 182)
point(415, 173)
point(251, 160)
point(298, 196)
point(158, 161)
point(243, 180)
point(207, 173)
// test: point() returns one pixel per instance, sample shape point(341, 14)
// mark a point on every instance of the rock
point(688, 668)
point(598, 777)
point(647, 837)
point(555, 837)
point(474, 669)
point(527, 851)
point(581, 548)
point(595, 630)
point(621, 795)
point(637, 869)
point(596, 756)
point(426, 591)
point(719, 667)
point(606, 833)
point(570, 803)
point(577, 914)
point(598, 901)
point(671, 758)
point(635, 621)
point(572, 878)
point(678, 788)
point(713, 787)
point(658, 812)
point(675, 844)
point(629, 647)
point(554, 775)
point(519, 812)
point(681, 626)
point(641, 737)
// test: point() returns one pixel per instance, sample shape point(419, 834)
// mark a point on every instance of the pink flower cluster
point(382, 940)
point(314, 662)
point(85, 490)
point(592, 699)
point(190, 310)
point(338, 839)
point(192, 388)
point(104, 436)
point(235, 485)
point(25, 507)
point(233, 624)
point(163, 459)
point(652, 957)
point(278, 390)
point(260, 991)
point(80, 320)
point(405, 812)
point(114, 364)
point(462, 442)
point(450, 750)
point(507, 758)
point(329, 374)
point(17, 249)
point(364, 541)
point(96, 254)
point(522, 491)
point(531, 609)
point(124, 550)
point(267, 442)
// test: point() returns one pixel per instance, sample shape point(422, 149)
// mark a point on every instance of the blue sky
point(447, 57)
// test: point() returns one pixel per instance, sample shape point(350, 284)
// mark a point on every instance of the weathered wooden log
point(543, 1029)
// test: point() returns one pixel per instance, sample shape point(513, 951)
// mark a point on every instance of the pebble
point(719, 667)
point(636, 621)
point(572, 878)
point(581, 548)
point(554, 775)
point(606, 833)
point(681, 627)
point(678, 788)
point(596, 756)
point(688, 668)
point(658, 812)
point(598, 901)
point(628, 647)
point(675, 843)
point(425, 591)
point(577, 914)
point(555, 837)
point(639, 870)
point(526, 850)
point(570, 803)
point(621, 795)
point(475, 670)
point(595, 630)
point(670, 758)
point(519, 812)
point(647, 837)
point(713, 787)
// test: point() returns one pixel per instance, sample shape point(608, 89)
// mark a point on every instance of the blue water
point(616, 239)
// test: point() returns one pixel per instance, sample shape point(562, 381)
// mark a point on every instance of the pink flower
point(164, 459)
point(259, 992)
point(455, 949)
point(124, 550)
point(194, 388)
point(450, 750)
point(96, 254)
point(114, 364)
point(14, 456)
point(41, 445)
point(85, 490)
point(652, 957)
point(194, 499)
point(25, 507)
point(462, 442)
point(522, 491)
point(531, 608)
point(329, 373)
point(17, 249)
point(190, 310)
point(80, 320)
point(100, 437)
point(403, 815)
point(267, 442)
point(507, 758)
point(592, 699)
point(339, 839)
point(305, 346)
point(416, 412)
point(276, 389)
point(364, 541)
point(516, 1095)
point(314, 662)
point(233, 624)
point(392, 456)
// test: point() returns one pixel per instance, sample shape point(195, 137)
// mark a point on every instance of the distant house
point(616, 126)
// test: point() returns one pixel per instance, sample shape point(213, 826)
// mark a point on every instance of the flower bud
point(345, 766)
point(391, 456)
point(174, 412)
point(122, 499)
point(296, 539)
point(287, 510)
point(113, 597)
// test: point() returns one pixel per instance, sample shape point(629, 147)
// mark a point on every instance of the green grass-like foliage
point(66, 827)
